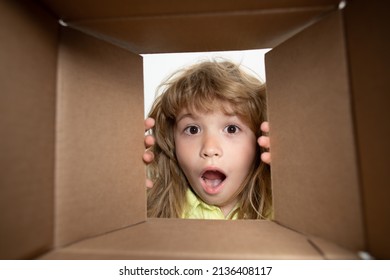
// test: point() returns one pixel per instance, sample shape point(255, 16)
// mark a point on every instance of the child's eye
point(231, 129)
point(191, 130)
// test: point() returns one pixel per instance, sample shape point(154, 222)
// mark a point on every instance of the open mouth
point(212, 180)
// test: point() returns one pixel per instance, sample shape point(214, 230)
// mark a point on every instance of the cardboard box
point(72, 179)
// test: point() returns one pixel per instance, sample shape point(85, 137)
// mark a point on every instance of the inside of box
point(66, 142)
point(27, 103)
point(220, 25)
point(95, 119)
point(203, 239)
point(315, 164)
point(80, 138)
point(99, 112)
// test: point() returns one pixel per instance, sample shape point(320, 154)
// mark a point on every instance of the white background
point(158, 67)
point(104, 270)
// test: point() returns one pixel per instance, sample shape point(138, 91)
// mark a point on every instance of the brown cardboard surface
point(330, 251)
point(201, 32)
point(99, 197)
point(367, 28)
point(194, 239)
point(179, 26)
point(28, 57)
point(85, 9)
point(99, 172)
point(314, 169)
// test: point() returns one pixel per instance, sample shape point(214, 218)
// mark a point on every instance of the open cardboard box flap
point(196, 239)
point(72, 179)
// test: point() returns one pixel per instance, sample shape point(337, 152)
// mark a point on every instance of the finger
point(148, 157)
point(264, 127)
point(264, 142)
point(149, 141)
point(266, 157)
point(149, 123)
point(148, 183)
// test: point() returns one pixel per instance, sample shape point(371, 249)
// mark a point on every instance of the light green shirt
point(195, 208)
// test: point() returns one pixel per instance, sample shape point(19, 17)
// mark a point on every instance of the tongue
point(212, 183)
point(213, 178)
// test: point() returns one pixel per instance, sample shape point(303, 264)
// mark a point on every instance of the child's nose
point(211, 146)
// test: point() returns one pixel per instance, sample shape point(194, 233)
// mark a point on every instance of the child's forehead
point(224, 108)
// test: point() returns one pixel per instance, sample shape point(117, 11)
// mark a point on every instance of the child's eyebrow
point(183, 116)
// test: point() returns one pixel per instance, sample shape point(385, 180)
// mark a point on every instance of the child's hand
point(149, 141)
point(265, 143)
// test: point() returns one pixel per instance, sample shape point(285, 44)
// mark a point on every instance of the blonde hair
point(205, 87)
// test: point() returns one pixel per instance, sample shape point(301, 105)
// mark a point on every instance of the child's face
point(215, 152)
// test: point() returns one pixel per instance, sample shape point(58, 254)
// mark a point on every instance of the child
point(204, 160)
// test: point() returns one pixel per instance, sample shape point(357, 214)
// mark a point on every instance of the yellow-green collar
point(195, 208)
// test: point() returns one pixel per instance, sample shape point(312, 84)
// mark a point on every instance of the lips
point(212, 180)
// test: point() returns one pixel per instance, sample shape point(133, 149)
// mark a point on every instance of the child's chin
point(212, 200)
